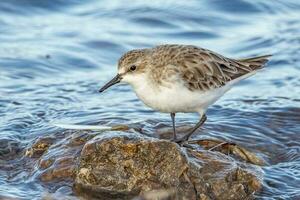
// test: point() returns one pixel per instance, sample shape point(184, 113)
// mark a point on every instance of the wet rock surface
point(127, 164)
point(124, 164)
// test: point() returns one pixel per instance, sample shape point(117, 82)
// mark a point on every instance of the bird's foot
point(181, 140)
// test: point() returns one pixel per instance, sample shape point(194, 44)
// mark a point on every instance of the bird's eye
point(133, 67)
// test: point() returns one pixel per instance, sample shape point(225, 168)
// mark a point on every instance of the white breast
point(176, 98)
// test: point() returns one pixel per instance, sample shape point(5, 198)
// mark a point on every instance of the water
point(56, 54)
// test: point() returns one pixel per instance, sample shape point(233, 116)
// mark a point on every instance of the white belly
point(177, 98)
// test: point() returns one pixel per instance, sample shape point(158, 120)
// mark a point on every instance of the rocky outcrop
point(127, 164)
point(124, 165)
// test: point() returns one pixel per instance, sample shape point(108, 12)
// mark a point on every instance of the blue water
point(54, 56)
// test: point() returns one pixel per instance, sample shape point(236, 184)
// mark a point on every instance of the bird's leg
point(187, 136)
point(174, 129)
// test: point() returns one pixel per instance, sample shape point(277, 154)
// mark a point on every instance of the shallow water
point(55, 55)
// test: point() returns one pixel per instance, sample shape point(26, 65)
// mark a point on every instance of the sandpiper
point(175, 78)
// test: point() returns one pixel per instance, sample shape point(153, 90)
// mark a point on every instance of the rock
point(39, 147)
point(232, 149)
point(128, 164)
point(122, 165)
point(54, 158)
point(59, 162)
point(157, 194)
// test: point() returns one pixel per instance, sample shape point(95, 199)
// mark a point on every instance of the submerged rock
point(39, 147)
point(125, 164)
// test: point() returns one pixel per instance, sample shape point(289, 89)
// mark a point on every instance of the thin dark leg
point(174, 129)
point(188, 135)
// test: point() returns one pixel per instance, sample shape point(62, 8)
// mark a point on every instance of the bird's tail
point(256, 63)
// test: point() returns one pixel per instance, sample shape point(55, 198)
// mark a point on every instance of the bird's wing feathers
point(204, 70)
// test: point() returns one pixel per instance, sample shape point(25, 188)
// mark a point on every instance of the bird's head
point(131, 68)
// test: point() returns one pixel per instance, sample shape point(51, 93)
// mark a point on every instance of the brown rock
point(232, 149)
point(123, 165)
point(57, 173)
point(56, 157)
point(39, 147)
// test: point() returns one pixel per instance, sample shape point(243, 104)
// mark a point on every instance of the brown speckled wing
point(202, 69)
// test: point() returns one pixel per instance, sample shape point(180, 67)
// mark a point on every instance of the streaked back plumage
point(202, 69)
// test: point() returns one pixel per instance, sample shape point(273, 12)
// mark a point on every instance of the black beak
point(112, 82)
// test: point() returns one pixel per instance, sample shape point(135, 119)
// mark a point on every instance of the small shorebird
point(182, 78)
